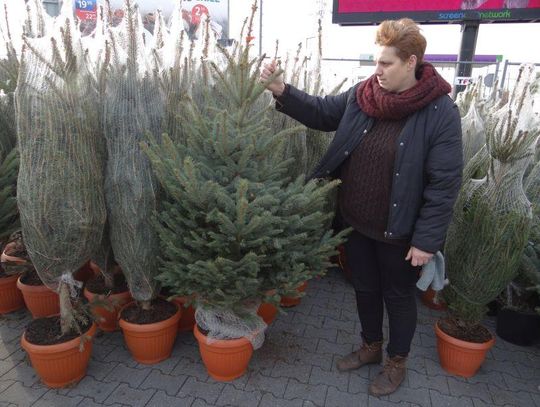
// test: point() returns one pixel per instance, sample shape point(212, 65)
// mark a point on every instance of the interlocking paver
point(169, 384)
point(52, 399)
point(314, 393)
point(444, 400)
point(268, 400)
point(274, 385)
point(124, 394)
point(461, 388)
point(162, 399)
point(300, 372)
point(209, 392)
point(330, 378)
point(20, 395)
point(94, 389)
point(130, 375)
point(231, 396)
point(294, 367)
point(337, 398)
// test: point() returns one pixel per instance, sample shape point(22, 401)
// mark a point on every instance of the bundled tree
point(60, 184)
point(234, 227)
point(133, 106)
point(492, 219)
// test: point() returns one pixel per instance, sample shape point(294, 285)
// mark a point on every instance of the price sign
point(86, 9)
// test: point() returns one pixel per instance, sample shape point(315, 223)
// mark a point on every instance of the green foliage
point(9, 214)
point(234, 226)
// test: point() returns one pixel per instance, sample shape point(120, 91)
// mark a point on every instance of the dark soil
point(46, 331)
point(160, 311)
point(97, 285)
point(31, 278)
point(474, 334)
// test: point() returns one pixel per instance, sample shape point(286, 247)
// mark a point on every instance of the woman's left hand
point(418, 257)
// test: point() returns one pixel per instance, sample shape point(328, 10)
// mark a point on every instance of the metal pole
point(260, 28)
point(469, 35)
point(504, 75)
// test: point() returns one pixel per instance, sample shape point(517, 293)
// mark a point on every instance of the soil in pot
point(31, 278)
point(116, 296)
point(160, 311)
point(475, 334)
point(47, 331)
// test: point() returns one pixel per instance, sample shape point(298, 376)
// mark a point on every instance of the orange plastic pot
point(108, 319)
point(431, 300)
point(39, 299)
point(460, 357)
point(62, 364)
point(225, 359)
point(293, 301)
point(267, 312)
point(187, 320)
point(150, 343)
point(11, 298)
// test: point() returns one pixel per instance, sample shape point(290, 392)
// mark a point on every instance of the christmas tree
point(234, 226)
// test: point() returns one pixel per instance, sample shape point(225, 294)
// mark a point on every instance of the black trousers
point(381, 274)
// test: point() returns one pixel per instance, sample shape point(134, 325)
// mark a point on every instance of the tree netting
point(492, 216)
point(60, 183)
point(133, 107)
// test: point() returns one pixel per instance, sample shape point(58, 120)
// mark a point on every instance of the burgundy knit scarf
point(382, 104)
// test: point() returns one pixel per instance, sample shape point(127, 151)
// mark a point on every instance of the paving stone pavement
point(295, 367)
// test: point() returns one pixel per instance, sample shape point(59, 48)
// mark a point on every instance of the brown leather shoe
point(367, 354)
point(389, 379)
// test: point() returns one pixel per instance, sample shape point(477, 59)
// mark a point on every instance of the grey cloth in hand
point(432, 274)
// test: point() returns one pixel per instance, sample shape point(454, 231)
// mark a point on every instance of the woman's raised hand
point(276, 86)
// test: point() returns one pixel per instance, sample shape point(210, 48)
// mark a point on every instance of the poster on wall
point(364, 12)
point(86, 9)
point(194, 13)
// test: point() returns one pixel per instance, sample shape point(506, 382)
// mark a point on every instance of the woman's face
point(393, 74)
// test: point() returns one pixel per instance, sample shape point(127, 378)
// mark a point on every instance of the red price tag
point(196, 13)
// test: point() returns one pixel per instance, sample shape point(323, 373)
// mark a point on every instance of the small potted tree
point(234, 229)
point(488, 232)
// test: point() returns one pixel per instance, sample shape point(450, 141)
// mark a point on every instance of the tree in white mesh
point(492, 216)
point(60, 184)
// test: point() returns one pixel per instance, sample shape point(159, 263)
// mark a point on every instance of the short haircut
point(405, 36)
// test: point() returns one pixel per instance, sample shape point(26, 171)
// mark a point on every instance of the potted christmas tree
point(488, 232)
point(234, 229)
point(134, 106)
point(59, 188)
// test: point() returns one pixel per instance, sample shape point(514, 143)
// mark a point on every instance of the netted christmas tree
point(9, 160)
point(133, 106)
point(234, 226)
point(60, 184)
point(492, 216)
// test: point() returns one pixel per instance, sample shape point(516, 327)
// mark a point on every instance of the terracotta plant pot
point(460, 357)
point(431, 300)
point(39, 299)
point(187, 320)
point(267, 312)
point(150, 343)
point(108, 319)
point(225, 360)
point(293, 301)
point(62, 364)
point(11, 298)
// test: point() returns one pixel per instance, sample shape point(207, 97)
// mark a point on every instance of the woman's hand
point(418, 257)
point(277, 86)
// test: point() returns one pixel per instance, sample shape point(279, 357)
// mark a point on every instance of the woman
point(397, 149)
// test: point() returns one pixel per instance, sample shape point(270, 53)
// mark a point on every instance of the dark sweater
point(364, 195)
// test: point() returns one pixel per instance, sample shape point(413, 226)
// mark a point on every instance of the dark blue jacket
point(428, 163)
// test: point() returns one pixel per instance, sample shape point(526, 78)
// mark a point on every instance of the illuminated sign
point(365, 12)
